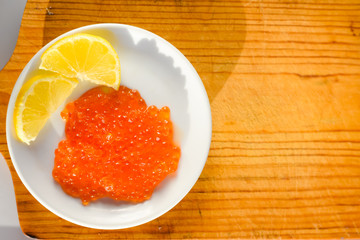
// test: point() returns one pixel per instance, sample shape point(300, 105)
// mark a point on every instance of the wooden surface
point(283, 78)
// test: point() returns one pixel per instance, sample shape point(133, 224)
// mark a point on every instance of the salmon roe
point(116, 146)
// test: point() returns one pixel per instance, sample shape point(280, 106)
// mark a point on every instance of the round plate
point(164, 77)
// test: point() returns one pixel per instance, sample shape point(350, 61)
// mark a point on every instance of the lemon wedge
point(85, 57)
point(38, 98)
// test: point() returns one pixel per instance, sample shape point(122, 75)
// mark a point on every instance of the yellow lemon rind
point(28, 89)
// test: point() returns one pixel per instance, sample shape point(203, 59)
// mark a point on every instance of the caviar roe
point(116, 146)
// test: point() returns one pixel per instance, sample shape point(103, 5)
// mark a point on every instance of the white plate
point(164, 77)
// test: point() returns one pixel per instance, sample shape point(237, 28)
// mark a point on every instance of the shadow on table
point(216, 43)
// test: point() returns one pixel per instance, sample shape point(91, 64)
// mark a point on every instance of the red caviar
point(116, 146)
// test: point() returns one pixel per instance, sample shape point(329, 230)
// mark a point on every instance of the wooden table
point(283, 79)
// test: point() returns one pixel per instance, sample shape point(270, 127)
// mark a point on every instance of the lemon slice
point(37, 100)
point(85, 57)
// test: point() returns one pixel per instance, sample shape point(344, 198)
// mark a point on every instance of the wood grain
point(283, 78)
